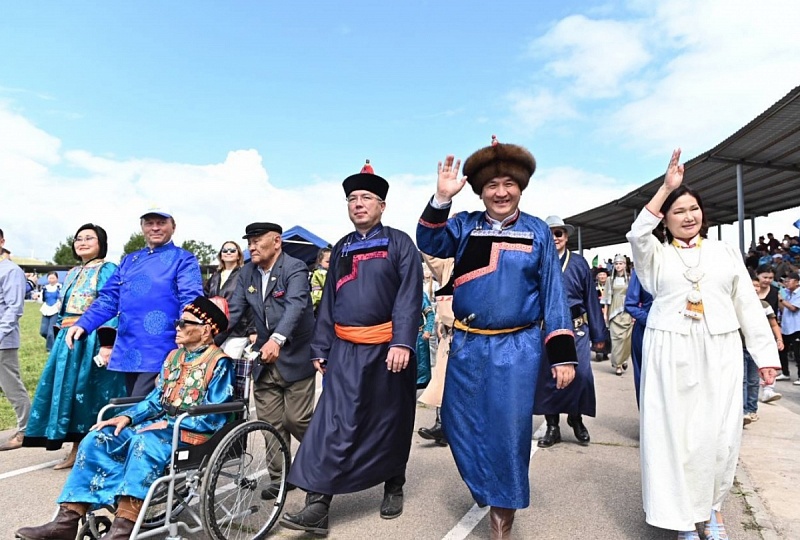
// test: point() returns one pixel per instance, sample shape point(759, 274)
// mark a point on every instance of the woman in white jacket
point(691, 388)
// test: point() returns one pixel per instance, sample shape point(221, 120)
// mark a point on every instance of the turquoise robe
point(72, 388)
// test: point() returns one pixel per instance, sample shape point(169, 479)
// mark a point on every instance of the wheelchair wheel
point(94, 528)
point(247, 461)
point(156, 511)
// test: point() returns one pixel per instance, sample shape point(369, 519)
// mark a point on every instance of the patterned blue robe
point(360, 434)
point(148, 292)
point(579, 396)
point(109, 466)
point(72, 388)
point(506, 278)
point(423, 346)
point(637, 303)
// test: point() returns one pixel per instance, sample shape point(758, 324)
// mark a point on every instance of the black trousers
point(791, 343)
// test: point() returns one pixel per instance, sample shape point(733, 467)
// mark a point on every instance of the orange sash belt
point(365, 335)
point(66, 322)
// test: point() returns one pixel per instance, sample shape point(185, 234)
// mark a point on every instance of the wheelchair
point(214, 487)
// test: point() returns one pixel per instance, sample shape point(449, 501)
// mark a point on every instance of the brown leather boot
point(501, 520)
point(121, 529)
point(64, 527)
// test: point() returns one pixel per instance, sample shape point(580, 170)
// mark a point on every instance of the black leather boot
point(580, 431)
point(313, 518)
point(64, 527)
point(435, 432)
point(392, 504)
point(553, 434)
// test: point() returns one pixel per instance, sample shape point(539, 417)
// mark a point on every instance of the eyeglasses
point(228, 250)
point(181, 323)
point(366, 199)
point(558, 233)
point(84, 239)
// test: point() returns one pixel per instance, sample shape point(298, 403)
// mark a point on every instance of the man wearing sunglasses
point(274, 287)
point(589, 326)
point(147, 291)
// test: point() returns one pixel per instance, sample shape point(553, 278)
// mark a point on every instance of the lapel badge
point(273, 278)
point(251, 289)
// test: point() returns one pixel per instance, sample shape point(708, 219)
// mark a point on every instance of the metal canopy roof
point(768, 150)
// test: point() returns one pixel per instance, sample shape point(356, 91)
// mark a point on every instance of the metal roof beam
point(759, 164)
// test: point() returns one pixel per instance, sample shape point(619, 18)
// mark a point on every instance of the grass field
point(32, 356)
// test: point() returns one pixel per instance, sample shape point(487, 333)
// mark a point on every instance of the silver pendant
point(693, 274)
point(694, 297)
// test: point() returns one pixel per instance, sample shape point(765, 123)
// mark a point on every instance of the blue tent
point(301, 244)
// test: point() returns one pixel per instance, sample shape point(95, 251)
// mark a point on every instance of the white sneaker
point(770, 395)
point(796, 382)
point(782, 377)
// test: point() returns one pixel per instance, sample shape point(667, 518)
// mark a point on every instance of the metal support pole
point(753, 232)
point(580, 242)
point(740, 205)
point(719, 232)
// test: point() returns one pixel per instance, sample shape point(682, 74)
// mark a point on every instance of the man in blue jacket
point(148, 291)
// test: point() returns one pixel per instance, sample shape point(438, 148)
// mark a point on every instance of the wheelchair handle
point(233, 406)
point(125, 400)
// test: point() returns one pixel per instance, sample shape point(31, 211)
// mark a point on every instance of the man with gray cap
point(148, 292)
point(274, 286)
point(589, 325)
point(509, 305)
point(12, 303)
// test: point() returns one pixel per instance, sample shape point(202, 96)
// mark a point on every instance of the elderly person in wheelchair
point(121, 457)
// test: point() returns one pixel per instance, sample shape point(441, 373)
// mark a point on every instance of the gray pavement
point(576, 492)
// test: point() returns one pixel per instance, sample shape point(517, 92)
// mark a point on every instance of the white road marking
point(476, 513)
point(17, 472)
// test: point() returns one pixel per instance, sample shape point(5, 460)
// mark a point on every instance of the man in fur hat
point(509, 304)
point(121, 457)
point(364, 341)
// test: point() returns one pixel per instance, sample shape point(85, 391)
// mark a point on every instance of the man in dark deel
point(366, 334)
point(275, 287)
point(578, 398)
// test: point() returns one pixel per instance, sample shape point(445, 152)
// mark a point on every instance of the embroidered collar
point(692, 243)
point(500, 225)
point(358, 237)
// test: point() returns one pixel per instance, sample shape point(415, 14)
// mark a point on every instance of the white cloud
point(595, 55)
point(531, 111)
point(737, 59)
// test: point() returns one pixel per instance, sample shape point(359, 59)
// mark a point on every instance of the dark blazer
point(245, 326)
point(287, 310)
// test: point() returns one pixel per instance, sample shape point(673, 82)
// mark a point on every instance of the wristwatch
point(280, 340)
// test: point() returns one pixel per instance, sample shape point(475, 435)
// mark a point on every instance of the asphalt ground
point(589, 492)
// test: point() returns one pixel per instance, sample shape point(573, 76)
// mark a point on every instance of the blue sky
point(242, 111)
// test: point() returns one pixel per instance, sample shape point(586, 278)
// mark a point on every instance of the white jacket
point(730, 302)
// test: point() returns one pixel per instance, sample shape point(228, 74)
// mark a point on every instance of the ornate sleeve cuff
point(561, 349)
point(433, 217)
point(106, 335)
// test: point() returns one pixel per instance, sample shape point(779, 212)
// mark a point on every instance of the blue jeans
point(750, 384)
point(46, 330)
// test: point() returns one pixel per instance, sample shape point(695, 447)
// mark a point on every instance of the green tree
point(205, 253)
point(135, 243)
point(63, 254)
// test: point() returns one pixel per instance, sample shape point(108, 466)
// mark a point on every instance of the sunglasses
point(181, 323)
point(558, 233)
point(228, 250)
